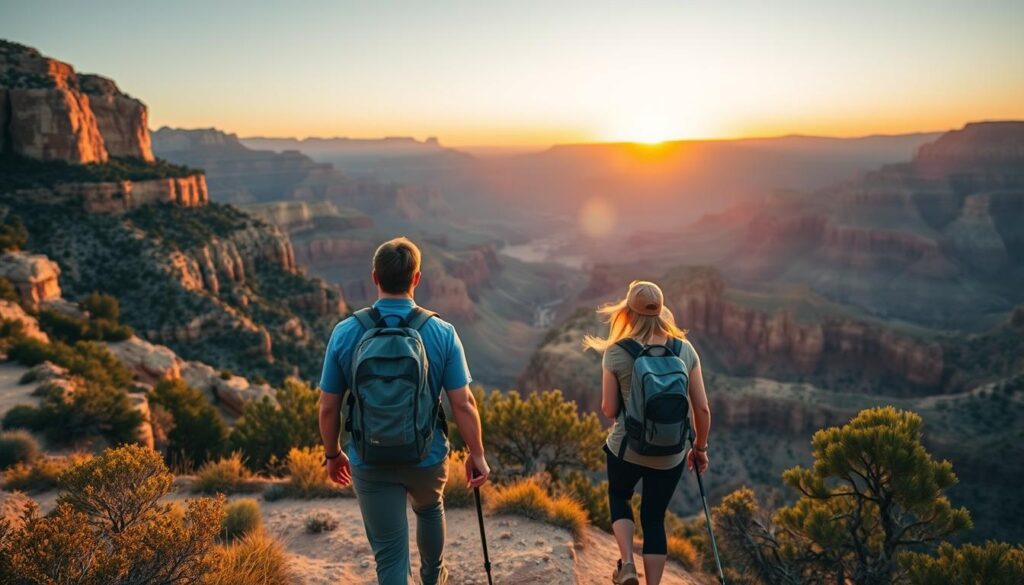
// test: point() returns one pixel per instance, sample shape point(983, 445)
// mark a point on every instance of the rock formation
point(35, 277)
point(780, 345)
point(240, 175)
point(448, 296)
point(49, 112)
point(122, 120)
point(122, 196)
point(153, 363)
point(12, 312)
point(932, 241)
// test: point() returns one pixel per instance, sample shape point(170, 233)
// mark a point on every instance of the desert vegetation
point(866, 513)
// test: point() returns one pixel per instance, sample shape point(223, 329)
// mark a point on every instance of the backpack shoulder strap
point(675, 345)
point(369, 318)
point(632, 346)
point(417, 318)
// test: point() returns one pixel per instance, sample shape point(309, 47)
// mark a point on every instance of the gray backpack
point(657, 414)
point(392, 411)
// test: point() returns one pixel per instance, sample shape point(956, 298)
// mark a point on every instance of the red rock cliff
point(49, 112)
point(779, 345)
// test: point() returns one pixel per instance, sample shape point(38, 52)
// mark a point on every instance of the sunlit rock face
point(34, 276)
point(49, 112)
point(122, 120)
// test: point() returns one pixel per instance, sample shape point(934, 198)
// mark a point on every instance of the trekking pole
point(707, 516)
point(483, 534)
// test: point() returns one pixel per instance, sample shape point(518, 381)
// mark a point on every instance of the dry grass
point(241, 517)
point(227, 475)
point(40, 475)
point(682, 551)
point(307, 476)
point(456, 493)
point(526, 497)
point(254, 559)
point(320, 522)
point(568, 513)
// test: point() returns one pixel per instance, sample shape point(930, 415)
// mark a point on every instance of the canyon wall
point(48, 112)
point(121, 196)
point(780, 345)
point(122, 120)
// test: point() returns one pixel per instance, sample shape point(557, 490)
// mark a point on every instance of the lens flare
point(597, 217)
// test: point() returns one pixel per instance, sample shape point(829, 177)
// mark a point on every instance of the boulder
point(35, 277)
point(150, 362)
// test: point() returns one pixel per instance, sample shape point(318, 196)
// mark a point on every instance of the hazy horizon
point(568, 73)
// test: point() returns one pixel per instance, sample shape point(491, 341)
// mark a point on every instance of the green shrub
point(102, 306)
point(70, 329)
point(275, 492)
point(227, 475)
point(110, 527)
point(91, 361)
point(994, 563)
point(7, 290)
point(240, 518)
point(94, 410)
point(267, 431)
point(198, 432)
point(13, 234)
point(21, 416)
point(320, 522)
point(542, 432)
point(17, 447)
point(18, 172)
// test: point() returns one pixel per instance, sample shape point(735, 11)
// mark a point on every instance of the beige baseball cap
point(645, 298)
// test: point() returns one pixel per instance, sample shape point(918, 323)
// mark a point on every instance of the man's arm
point(338, 467)
point(467, 419)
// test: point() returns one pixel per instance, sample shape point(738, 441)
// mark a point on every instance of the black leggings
point(657, 490)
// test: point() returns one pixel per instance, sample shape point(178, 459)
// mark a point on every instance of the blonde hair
point(624, 322)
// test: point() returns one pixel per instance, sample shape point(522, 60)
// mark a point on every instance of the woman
point(643, 317)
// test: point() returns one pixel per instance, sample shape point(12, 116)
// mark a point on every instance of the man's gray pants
point(382, 493)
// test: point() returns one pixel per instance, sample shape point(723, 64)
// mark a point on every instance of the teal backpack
point(657, 414)
point(392, 411)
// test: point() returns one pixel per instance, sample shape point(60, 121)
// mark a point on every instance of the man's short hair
point(395, 262)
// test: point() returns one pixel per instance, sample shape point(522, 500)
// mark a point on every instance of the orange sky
point(537, 73)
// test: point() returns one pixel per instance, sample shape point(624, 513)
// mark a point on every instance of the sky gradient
point(537, 73)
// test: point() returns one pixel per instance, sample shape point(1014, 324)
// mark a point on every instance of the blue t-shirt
point(447, 371)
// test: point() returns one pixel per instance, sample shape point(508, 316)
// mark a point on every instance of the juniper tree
point(872, 492)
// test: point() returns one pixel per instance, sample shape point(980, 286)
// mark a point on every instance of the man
point(383, 490)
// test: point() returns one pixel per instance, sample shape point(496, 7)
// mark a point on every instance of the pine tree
point(872, 493)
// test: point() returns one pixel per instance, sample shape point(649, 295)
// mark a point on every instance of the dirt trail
point(522, 551)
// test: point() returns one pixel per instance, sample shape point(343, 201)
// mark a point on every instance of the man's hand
point(701, 458)
point(477, 471)
point(339, 469)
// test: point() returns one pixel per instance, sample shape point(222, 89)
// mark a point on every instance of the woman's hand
point(698, 457)
point(339, 469)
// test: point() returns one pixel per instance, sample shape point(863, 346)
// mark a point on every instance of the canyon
point(109, 216)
